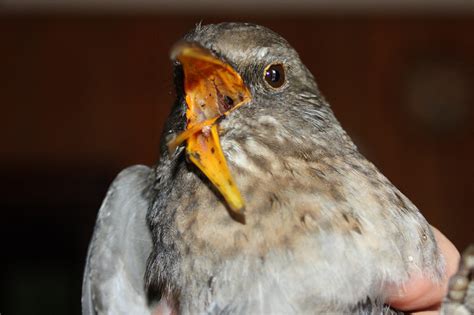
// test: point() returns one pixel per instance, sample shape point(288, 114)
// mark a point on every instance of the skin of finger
point(421, 293)
point(426, 313)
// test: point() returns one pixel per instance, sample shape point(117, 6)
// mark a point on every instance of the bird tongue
point(213, 89)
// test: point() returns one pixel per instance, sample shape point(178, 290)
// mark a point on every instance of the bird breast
point(308, 217)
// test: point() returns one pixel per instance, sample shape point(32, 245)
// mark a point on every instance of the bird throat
point(213, 89)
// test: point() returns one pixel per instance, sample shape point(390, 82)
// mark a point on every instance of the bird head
point(241, 81)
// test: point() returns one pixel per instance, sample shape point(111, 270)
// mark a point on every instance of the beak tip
point(171, 143)
point(176, 50)
point(185, 47)
point(239, 215)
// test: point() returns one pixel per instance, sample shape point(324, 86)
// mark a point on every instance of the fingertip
point(421, 293)
point(450, 254)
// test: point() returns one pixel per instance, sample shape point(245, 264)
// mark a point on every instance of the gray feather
point(113, 278)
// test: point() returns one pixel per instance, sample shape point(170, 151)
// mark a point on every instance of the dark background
point(85, 94)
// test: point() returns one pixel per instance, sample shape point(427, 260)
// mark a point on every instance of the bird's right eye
point(274, 75)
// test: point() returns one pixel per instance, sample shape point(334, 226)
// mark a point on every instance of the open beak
point(213, 89)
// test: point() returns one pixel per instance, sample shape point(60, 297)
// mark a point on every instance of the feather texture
point(121, 243)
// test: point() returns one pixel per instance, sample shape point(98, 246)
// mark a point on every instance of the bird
point(260, 202)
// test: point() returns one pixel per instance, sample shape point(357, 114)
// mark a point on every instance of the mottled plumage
point(325, 230)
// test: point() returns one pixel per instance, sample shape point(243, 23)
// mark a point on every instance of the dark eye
point(275, 75)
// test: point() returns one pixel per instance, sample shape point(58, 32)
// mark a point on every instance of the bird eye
point(275, 75)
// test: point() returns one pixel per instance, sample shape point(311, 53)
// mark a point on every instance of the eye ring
point(274, 75)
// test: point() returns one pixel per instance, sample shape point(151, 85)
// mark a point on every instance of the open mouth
point(213, 89)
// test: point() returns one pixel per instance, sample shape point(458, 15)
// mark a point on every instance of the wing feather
point(114, 274)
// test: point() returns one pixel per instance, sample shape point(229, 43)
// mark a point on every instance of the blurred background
point(86, 85)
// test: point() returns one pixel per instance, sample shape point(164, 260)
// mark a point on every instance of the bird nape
point(260, 202)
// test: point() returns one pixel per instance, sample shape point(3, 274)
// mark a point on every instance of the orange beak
point(213, 89)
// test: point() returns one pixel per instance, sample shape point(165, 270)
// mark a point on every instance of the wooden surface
point(83, 96)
